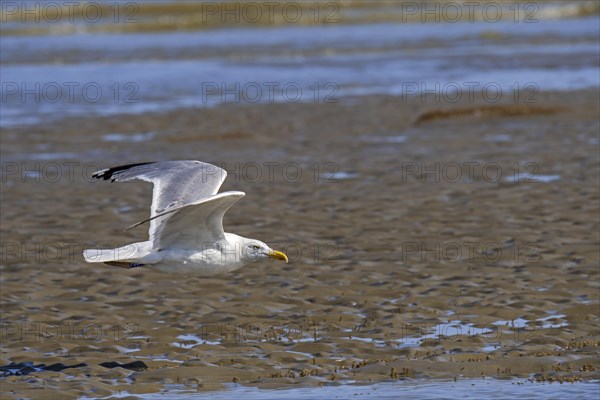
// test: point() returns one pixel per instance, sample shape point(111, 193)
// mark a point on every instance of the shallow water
point(464, 389)
point(50, 77)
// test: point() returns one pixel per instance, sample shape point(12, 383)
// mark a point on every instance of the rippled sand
point(427, 241)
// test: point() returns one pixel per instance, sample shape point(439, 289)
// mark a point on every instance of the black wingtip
point(108, 173)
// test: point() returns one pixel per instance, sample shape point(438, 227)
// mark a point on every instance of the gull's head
point(254, 250)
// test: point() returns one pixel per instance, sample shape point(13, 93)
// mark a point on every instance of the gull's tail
point(125, 254)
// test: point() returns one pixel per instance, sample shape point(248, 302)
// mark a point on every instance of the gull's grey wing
point(176, 183)
point(195, 225)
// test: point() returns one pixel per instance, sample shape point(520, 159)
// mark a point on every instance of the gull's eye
point(255, 247)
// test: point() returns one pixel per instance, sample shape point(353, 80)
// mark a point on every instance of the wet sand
point(428, 241)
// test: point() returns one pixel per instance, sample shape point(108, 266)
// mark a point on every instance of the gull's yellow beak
point(278, 255)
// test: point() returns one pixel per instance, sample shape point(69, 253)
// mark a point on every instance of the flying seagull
point(186, 222)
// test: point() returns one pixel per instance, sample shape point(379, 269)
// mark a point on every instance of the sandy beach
point(427, 241)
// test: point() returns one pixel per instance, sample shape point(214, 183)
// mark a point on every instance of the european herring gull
point(186, 222)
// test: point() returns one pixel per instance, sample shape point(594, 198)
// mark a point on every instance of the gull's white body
point(186, 228)
point(208, 260)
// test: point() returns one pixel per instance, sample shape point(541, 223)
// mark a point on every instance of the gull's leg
point(123, 264)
